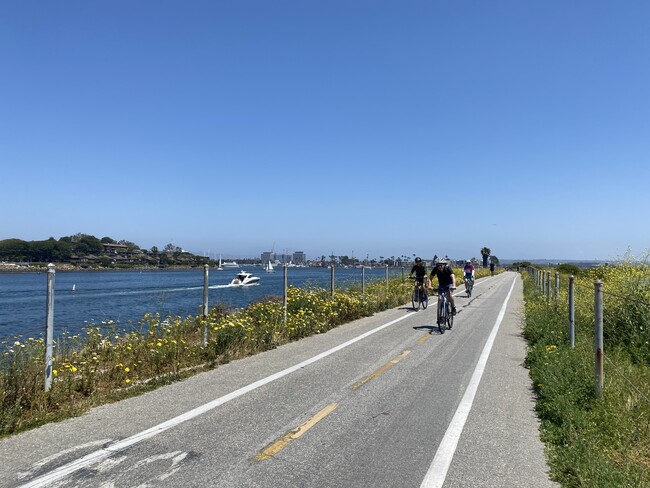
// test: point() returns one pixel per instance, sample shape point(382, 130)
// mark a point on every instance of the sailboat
point(269, 267)
point(220, 268)
point(74, 288)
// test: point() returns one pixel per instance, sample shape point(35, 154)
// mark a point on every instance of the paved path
point(367, 404)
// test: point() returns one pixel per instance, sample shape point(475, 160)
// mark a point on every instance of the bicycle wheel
point(415, 300)
point(442, 318)
point(450, 317)
point(468, 289)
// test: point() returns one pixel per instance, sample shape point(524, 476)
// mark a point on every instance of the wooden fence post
point(49, 326)
point(204, 309)
point(572, 332)
point(598, 338)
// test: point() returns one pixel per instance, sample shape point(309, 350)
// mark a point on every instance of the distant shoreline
point(66, 268)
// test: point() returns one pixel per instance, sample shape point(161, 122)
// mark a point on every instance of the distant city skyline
point(382, 128)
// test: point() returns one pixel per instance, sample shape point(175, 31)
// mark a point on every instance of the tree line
point(83, 248)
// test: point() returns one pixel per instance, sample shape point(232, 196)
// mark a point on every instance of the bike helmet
point(468, 262)
point(418, 260)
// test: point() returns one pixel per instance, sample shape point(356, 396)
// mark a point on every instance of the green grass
point(104, 364)
point(593, 442)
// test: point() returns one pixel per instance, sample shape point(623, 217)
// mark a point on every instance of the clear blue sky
point(369, 127)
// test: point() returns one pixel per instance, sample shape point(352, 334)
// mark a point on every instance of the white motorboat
point(244, 278)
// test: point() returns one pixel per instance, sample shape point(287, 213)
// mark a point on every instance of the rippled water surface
point(125, 296)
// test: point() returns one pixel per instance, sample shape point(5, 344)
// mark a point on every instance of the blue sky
point(375, 128)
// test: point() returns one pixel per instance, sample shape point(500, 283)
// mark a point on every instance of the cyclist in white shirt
point(468, 271)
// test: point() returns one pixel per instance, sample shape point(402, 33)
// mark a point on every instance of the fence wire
point(563, 293)
point(622, 375)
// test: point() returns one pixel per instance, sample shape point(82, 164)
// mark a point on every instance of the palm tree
point(485, 252)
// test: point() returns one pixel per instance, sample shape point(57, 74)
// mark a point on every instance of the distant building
point(114, 248)
point(299, 257)
point(268, 257)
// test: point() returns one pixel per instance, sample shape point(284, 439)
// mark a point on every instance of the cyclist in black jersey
point(446, 281)
point(419, 269)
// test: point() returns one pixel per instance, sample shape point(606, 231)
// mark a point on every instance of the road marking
point(94, 457)
point(36, 466)
point(277, 446)
point(381, 370)
point(424, 337)
point(437, 472)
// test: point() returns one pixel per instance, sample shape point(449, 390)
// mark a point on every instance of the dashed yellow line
point(277, 446)
point(381, 370)
point(424, 338)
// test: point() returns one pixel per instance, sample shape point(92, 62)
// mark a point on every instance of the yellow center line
point(381, 370)
point(424, 338)
point(277, 446)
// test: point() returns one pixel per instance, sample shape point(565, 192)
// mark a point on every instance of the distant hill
point(86, 251)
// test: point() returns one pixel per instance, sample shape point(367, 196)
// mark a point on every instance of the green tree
point(485, 252)
point(570, 269)
point(14, 250)
point(130, 246)
point(87, 245)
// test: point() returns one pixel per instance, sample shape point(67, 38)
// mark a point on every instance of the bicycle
point(419, 295)
point(469, 286)
point(445, 317)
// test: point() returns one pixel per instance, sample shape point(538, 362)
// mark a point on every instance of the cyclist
point(446, 281)
point(420, 271)
point(468, 271)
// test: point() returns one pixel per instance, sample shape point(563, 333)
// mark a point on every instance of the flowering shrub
point(593, 441)
point(106, 362)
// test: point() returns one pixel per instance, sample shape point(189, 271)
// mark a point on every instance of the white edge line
point(105, 452)
point(437, 472)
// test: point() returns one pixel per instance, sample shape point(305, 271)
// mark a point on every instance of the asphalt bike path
point(370, 403)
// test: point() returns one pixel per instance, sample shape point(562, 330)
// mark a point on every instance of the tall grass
point(592, 442)
point(104, 364)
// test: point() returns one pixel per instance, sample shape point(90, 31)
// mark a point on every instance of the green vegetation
point(86, 251)
point(104, 364)
point(569, 269)
point(591, 442)
point(485, 253)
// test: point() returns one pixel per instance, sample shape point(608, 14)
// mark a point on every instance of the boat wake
point(233, 286)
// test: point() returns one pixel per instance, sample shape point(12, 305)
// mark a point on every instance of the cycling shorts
point(444, 288)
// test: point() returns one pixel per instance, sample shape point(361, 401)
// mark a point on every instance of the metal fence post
point(363, 279)
point(598, 337)
point(403, 275)
point(557, 290)
point(49, 326)
point(386, 275)
point(332, 281)
point(285, 299)
point(572, 332)
point(205, 305)
point(548, 286)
